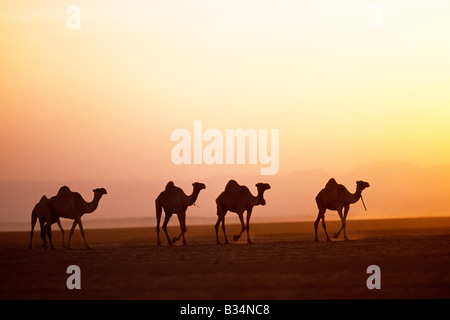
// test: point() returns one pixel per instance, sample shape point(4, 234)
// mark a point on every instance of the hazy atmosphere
point(352, 98)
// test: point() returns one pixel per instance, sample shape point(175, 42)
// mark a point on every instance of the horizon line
point(87, 226)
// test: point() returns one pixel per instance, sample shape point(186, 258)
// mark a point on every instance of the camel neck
point(260, 197)
point(355, 197)
point(91, 206)
point(193, 197)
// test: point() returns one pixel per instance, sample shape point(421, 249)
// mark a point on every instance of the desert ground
point(284, 263)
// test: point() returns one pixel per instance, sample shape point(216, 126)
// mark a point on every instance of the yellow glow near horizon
point(102, 101)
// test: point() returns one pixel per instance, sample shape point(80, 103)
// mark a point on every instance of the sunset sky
point(101, 102)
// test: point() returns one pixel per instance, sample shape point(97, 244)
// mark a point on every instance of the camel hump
point(43, 199)
point(64, 190)
point(331, 184)
point(232, 184)
point(170, 185)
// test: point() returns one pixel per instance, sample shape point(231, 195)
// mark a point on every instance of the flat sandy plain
point(284, 263)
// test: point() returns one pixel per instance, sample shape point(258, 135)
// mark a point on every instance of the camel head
point(261, 188)
point(100, 191)
point(199, 186)
point(361, 185)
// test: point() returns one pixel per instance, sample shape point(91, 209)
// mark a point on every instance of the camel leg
point(241, 218)
point(249, 213)
point(316, 224)
point(223, 229)
point(175, 239)
point(216, 227)
point(71, 233)
point(62, 231)
point(346, 209)
point(325, 227)
point(164, 226)
point(33, 223)
point(220, 218)
point(158, 219)
point(336, 235)
point(49, 235)
point(321, 215)
point(82, 233)
point(43, 226)
point(182, 220)
point(157, 233)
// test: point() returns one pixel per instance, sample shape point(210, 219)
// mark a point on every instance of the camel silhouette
point(42, 212)
point(174, 200)
point(71, 205)
point(336, 197)
point(237, 198)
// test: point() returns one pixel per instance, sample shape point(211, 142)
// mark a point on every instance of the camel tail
point(33, 219)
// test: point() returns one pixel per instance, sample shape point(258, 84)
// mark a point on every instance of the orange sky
point(101, 102)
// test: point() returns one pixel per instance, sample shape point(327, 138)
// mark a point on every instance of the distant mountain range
point(396, 190)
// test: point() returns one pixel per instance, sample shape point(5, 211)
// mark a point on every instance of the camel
point(174, 200)
point(71, 205)
point(42, 212)
point(336, 197)
point(237, 198)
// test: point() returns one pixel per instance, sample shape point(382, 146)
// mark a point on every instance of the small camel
point(336, 197)
point(42, 212)
point(237, 198)
point(71, 205)
point(174, 200)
